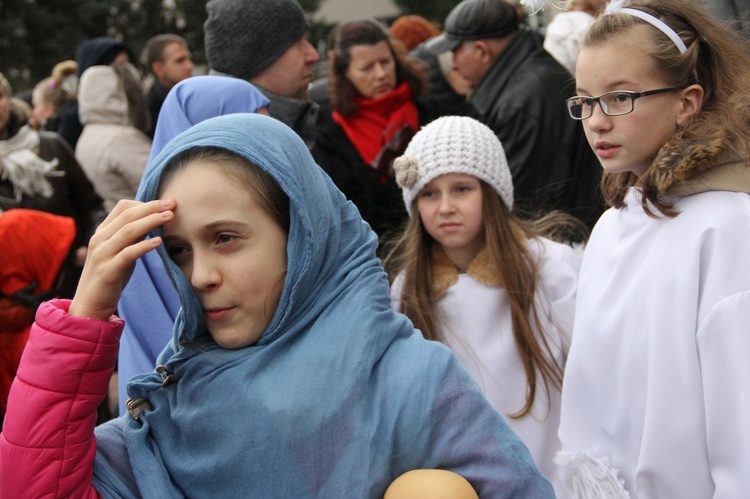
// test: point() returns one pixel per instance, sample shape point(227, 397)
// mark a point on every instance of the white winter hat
point(453, 144)
point(564, 36)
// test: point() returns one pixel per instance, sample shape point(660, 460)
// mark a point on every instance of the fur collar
point(685, 167)
point(445, 273)
point(732, 176)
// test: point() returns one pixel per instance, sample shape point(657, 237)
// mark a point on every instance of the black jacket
point(154, 100)
point(378, 199)
point(73, 194)
point(440, 98)
point(522, 98)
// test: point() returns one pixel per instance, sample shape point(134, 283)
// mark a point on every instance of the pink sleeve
point(47, 447)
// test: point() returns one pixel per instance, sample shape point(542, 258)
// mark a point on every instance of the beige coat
point(111, 151)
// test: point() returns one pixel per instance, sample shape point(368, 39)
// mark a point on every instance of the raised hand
point(112, 252)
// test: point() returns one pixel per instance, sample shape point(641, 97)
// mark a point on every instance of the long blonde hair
point(506, 237)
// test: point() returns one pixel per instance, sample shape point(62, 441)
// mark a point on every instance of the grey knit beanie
point(453, 144)
point(243, 37)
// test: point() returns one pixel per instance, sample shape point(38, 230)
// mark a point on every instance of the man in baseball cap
point(474, 21)
point(519, 91)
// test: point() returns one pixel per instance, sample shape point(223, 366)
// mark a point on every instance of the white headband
point(616, 6)
point(658, 24)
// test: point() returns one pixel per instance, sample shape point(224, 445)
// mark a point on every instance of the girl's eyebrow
point(621, 82)
point(615, 85)
point(211, 228)
point(170, 239)
point(217, 224)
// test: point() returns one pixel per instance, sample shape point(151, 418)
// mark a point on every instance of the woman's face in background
point(372, 69)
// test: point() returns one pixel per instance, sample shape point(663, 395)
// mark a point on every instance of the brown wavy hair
point(137, 107)
point(506, 236)
point(720, 58)
point(365, 32)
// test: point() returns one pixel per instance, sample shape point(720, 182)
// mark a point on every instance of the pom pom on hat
point(244, 37)
point(453, 144)
point(564, 37)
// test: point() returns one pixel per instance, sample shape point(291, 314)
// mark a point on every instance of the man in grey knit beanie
point(263, 42)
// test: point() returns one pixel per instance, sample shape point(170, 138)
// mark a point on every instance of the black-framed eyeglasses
point(614, 103)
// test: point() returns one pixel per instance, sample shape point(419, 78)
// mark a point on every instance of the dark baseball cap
point(475, 20)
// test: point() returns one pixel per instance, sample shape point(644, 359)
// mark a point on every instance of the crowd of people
point(473, 260)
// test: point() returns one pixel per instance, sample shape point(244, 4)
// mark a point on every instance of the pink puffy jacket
point(47, 446)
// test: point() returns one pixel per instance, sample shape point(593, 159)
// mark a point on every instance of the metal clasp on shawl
point(135, 406)
point(167, 378)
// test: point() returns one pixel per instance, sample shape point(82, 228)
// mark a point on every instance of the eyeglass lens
point(612, 103)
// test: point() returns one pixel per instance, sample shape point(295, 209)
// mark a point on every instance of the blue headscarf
point(150, 303)
point(338, 397)
point(199, 98)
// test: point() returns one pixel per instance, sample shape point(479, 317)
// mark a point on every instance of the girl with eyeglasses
point(656, 400)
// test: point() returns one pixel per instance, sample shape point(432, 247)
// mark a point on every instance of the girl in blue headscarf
point(149, 303)
point(289, 375)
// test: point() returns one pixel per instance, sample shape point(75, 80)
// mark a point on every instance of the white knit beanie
point(453, 144)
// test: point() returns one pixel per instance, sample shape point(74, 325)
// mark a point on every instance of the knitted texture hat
point(244, 37)
point(475, 20)
point(453, 144)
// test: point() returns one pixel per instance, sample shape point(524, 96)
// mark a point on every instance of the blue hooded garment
point(338, 397)
point(150, 303)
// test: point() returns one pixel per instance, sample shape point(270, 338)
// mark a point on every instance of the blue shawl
point(150, 303)
point(338, 397)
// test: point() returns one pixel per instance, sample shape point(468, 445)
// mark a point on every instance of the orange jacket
point(33, 247)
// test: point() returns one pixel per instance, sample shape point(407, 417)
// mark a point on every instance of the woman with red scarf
point(372, 89)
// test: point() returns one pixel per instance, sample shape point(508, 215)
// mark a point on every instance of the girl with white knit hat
point(472, 275)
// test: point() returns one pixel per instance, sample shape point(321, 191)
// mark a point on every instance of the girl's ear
point(692, 100)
